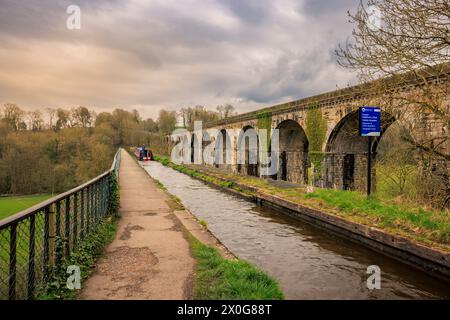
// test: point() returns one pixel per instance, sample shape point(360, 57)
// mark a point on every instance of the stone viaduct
point(321, 130)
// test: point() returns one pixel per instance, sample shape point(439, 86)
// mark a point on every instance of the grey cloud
point(250, 11)
point(157, 54)
point(321, 7)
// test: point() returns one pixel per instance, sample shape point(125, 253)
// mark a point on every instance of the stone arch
point(345, 163)
point(248, 146)
point(222, 149)
point(292, 153)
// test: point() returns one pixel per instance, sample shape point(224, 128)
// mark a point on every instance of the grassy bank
point(14, 204)
point(219, 278)
point(428, 227)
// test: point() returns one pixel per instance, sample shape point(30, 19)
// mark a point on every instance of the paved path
point(150, 256)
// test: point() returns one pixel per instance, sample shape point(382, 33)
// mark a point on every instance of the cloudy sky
point(170, 53)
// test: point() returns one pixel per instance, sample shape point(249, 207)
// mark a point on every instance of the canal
point(309, 263)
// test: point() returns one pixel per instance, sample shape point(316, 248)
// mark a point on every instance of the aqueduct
point(321, 131)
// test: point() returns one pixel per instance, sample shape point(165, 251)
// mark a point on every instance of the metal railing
point(34, 241)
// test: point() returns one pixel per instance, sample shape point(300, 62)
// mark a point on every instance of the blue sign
point(369, 121)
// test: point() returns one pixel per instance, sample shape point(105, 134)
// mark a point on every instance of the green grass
point(203, 223)
point(14, 204)
point(419, 223)
point(219, 278)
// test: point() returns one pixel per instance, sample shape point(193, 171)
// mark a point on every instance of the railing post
point(12, 261)
point(88, 208)
point(96, 202)
point(67, 238)
point(108, 194)
point(104, 196)
point(99, 192)
point(51, 234)
point(82, 215)
point(93, 205)
point(45, 263)
point(58, 251)
point(75, 219)
point(31, 254)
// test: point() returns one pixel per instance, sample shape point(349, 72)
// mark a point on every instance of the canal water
point(308, 262)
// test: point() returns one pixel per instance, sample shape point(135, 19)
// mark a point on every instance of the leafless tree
point(225, 111)
point(36, 123)
point(51, 115)
point(408, 44)
point(13, 115)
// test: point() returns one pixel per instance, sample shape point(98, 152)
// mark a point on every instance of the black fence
point(34, 241)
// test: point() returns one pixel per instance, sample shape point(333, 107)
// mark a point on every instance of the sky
point(154, 54)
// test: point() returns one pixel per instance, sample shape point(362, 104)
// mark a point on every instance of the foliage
point(316, 130)
point(88, 251)
point(167, 121)
point(67, 151)
point(114, 199)
point(264, 121)
point(219, 278)
point(49, 161)
point(203, 223)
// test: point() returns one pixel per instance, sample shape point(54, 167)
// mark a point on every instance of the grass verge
point(87, 253)
point(219, 278)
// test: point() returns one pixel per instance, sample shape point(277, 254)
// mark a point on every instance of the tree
point(167, 121)
point(200, 113)
point(103, 117)
point(197, 113)
point(35, 120)
point(184, 113)
point(408, 41)
point(13, 116)
point(63, 118)
point(225, 111)
point(150, 125)
point(82, 117)
point(51, 115)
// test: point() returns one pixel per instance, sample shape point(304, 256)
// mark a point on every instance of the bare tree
point(407, 42)
point(13, 116)
point(225, 111)
point(51, 115)
point(411, 42)
point(36, 123)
